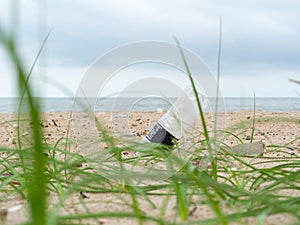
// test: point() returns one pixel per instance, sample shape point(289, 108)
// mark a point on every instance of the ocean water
point(9, 105)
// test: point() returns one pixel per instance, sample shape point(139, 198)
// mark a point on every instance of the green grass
point(40, 173)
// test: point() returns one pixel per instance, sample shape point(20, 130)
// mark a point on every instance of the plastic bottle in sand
point(177, 119)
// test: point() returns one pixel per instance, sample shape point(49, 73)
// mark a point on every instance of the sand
point(271, 128)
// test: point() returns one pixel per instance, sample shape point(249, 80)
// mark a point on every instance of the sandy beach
point(271, 128)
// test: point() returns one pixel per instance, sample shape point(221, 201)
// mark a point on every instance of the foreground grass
point(248, 189)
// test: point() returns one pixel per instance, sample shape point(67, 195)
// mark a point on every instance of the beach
point(280, 130)
point(277, 128)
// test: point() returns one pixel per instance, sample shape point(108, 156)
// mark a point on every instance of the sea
point(10, 105)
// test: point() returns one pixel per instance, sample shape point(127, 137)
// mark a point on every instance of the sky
point(260, 42)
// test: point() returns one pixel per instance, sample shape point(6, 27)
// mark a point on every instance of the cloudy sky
point(260, 42)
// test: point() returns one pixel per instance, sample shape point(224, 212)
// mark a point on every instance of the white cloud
point(58, 81)
point(267, 84)
point(260, 37)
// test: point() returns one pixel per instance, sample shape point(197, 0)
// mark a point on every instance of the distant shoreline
point(231, 104)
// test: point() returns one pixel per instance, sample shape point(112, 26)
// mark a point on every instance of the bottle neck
point(158, 134)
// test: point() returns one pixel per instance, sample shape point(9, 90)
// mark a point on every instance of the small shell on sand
point(159, 110)
point(14, 140)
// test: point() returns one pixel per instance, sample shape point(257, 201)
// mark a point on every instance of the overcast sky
point(260, 44)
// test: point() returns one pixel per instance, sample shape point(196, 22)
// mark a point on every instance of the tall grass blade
point(36, 180)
